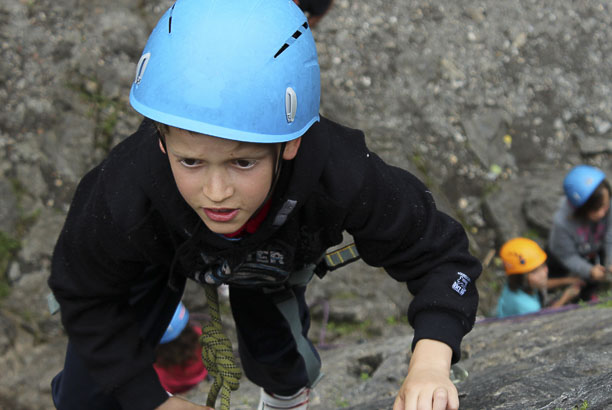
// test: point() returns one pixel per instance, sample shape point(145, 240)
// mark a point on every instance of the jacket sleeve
point(396, 225)
point(608, 241)
point(562, 245)
point(94, 265)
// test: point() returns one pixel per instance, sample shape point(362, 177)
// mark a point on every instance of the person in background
point(178, 362)
point(580, 240)
point(527, 279)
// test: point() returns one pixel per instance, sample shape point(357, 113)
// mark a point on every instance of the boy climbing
point(234, 177)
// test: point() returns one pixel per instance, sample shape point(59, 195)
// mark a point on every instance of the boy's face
point(224, 181)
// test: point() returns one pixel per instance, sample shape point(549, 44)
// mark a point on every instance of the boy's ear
point(291, 149)
point(162, 146)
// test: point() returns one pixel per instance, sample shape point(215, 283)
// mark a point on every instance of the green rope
point(217, 354)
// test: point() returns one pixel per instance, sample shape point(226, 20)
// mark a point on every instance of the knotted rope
point(217, 354)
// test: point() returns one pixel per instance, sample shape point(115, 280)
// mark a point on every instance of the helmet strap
point(278, 164)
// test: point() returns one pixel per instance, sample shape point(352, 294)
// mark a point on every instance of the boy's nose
point(217, 187)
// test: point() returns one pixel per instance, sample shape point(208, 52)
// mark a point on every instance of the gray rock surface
point(489, 102)
point(545, 361)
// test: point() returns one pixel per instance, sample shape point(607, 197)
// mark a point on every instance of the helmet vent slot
point(170, 19)
point(292, 39)
point(280, 50)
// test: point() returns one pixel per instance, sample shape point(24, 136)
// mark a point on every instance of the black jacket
point(130, 241)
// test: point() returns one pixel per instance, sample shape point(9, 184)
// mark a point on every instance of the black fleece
point(128, 245)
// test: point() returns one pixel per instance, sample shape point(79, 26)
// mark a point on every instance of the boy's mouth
point(220, 214)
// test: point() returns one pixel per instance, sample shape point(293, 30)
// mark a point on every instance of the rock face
point(489, 102)
point(557, 359)
point(550, 360)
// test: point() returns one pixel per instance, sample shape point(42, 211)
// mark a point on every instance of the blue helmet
point(238, 69)
point(177, 324)
point(580, 183)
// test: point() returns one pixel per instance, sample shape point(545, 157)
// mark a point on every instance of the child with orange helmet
point(527, 272)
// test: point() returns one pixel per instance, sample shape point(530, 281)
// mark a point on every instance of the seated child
point(580, 240)
point(178, 361)
point(527, 272)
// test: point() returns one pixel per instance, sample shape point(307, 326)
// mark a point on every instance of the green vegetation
point(8, 247)
point(104, 110)
point(583, 406)
point(605, 305)
point(533, 235)
point(342, 403)
point(347, 328)
point(419, 162)
point(392, 320)
point(10, 243)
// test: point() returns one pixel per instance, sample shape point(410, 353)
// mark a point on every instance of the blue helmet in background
point(177, 324)
point(244, 70)
point(580, 183)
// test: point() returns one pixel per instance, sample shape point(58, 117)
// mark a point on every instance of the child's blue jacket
point(130, 242)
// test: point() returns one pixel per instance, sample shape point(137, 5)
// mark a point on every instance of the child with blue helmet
point(178, 357)
point(580, 240)
point(234, 178)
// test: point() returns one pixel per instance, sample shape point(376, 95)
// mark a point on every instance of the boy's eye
point(244, 163)
point(190, 162)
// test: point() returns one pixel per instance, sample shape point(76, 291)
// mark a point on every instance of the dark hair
point(519, 282)
point(594, 202)
point(179, 351)
point(161, 128)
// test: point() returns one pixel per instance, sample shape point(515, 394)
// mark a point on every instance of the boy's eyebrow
point(243, 149)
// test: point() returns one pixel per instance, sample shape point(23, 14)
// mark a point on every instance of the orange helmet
point(521, 255)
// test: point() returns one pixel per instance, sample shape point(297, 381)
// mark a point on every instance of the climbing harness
point(217, 349)
point(217, 354)
point(340, 257)
point(286, 302)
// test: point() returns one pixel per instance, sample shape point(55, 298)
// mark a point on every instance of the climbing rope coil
point(218, 355)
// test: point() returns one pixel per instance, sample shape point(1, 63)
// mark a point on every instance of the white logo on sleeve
point(460, 285)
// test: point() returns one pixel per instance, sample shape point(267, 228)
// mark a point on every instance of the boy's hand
point(428, 385)
point(176, 403)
